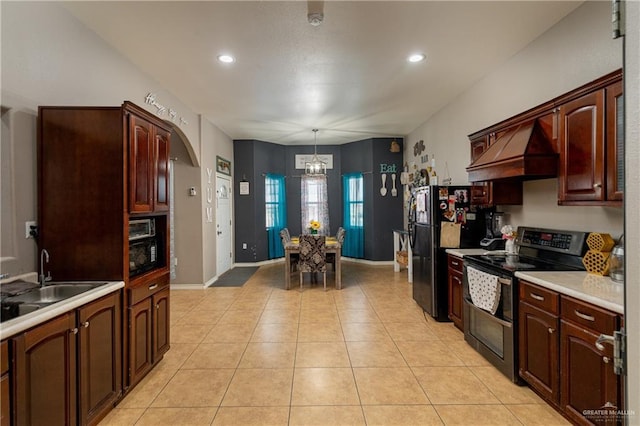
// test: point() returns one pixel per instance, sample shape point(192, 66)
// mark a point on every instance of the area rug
point(235, 277)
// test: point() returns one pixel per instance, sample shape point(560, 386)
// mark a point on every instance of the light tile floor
point(363, 355)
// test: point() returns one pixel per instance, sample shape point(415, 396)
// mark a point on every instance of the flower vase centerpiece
point(509, 234)
point(314, 227)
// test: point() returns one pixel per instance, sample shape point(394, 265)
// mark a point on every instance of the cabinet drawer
point(540, 297)
point(587, 315)
point(144, 290)
point(455, 263)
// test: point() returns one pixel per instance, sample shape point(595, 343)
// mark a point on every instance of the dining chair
point(285, 237)
point(331, 257)
point(313, 256)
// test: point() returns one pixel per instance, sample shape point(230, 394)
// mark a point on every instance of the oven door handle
point(488, 315)
point(505, 281)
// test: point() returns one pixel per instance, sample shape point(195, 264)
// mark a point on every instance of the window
point(314, 202)
point(275, 212)
point(353, 215)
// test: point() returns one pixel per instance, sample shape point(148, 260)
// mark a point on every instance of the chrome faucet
point(44, 258)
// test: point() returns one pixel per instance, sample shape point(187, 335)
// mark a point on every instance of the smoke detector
point(315, 18)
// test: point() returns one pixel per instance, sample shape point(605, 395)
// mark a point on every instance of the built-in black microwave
point(143, 255)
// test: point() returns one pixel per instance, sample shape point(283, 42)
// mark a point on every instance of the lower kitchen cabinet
point(589, 382)
point(148, 327)
point(67, 370)
point(455, 290)
point(558, 356)
point(5, 399)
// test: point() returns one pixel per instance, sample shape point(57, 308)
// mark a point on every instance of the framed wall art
point(223, 166)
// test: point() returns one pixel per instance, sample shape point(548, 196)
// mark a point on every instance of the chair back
point(340, 235)
point(312, 253)
point(285, 236)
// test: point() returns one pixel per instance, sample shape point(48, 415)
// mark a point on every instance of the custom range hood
point(524, 152)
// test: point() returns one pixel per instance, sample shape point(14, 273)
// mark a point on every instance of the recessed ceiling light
point(227, 59)
point(416, 57)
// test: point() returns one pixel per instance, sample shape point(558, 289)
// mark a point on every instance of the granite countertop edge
point(17, 325)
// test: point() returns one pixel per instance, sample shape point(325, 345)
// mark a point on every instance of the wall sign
point(301, 159)
point(244, 188)
point(161, 110)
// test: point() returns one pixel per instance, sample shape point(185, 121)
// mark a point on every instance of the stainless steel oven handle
point(584, 316)
point(505, 281)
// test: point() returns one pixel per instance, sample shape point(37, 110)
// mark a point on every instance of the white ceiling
point(348, 77)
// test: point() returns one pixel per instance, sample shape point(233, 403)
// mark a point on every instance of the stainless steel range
point(490, 290)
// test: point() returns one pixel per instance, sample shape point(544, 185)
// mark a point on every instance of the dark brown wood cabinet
point(148, 325)
point(591, 144)
point(504, 191)
point(68, 370)
point(558, 356)
point(455, 269)
point(149, 166)
point(588, 380)
point(44, 388)
point(539, 329)
point(99, 357)
point(5, 394)
point(120, 171)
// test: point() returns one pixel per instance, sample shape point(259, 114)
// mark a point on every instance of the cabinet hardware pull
point(85, 324)
point(157, 306)
point(457, 279)
point(551, 330)
point(74, 330)
point(454, 263)
point(153, 286)
point(605, 359)
point(597, 185)
point(584, 316)
point(536, 297)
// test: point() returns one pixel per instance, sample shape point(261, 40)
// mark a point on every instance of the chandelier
point(315, 166)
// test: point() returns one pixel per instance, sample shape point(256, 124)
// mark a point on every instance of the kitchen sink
point(52, 293)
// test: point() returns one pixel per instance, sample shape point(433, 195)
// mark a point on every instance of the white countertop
point(594, 289)
point(24, 322)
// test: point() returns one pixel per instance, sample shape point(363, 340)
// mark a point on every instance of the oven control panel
point(572, 242)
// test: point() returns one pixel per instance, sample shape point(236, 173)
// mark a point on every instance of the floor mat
point(235, 277)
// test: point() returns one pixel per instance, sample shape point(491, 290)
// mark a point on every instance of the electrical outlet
point(27, 228)
point(244, 246)
point(175, 261)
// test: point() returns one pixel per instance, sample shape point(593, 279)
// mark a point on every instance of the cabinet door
point(45, 373)
point(615, 142)
point(588, 380)
point(5, 398)
point(581, 174)
point(140, 349)
point(455, 298)
point(160, 323)
point(141, 165)
point(100, 355)
point(539, 351)
point(162, 170)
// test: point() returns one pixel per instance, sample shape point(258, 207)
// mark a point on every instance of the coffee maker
point(494, 221)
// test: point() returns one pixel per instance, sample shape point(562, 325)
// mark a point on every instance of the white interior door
point(223, 225)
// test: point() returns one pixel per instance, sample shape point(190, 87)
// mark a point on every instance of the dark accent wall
point(253, 159)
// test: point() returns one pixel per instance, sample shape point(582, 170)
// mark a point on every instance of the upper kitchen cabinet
point(149, 160)
point(97, 166)
point(591, 145)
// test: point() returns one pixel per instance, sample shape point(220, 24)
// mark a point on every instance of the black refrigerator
point(431, 209)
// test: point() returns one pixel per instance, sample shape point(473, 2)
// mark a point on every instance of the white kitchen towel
point(484, 289)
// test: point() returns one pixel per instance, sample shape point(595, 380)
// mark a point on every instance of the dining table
point(332, 246)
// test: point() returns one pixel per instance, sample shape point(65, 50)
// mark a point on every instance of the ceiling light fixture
point(416, 57)
point(227, 59)
point(315, 166)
